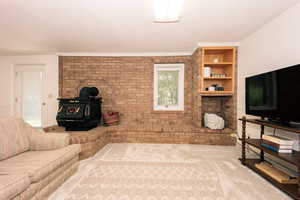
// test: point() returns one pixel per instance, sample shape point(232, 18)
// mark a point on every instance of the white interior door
point(28, 94)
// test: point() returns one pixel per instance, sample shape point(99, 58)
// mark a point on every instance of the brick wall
point(196, 98)
point(126, 85)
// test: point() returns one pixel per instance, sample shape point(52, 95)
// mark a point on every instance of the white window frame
point(167, 67)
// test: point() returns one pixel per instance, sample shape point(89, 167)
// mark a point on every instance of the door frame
point(29, 67)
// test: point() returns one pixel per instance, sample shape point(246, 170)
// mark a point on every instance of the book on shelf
point(279, 146)
point(278, 139)
point(277, 149)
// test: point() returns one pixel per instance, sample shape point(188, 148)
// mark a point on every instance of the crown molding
point(218, 44)
point(195, 49)
point(179, 53)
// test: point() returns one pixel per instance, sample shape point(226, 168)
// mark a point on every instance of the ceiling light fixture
point(167, 10)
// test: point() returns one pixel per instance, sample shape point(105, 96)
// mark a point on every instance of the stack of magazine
point(277, 143)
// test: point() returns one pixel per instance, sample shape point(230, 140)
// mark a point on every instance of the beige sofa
point(33, 164)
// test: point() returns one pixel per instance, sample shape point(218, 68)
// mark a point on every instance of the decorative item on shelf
point(219, 88)
point(111, 118)
point(215, 87)
point(218, 75)
point(216, 60)
point(213, 121)
point(207, 71)
point(211, 88)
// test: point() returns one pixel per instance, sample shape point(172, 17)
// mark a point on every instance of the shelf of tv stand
point(293, 158)
point(272, 125)
point(290, 189)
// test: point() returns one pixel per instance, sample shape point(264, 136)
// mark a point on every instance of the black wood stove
point(81, 113)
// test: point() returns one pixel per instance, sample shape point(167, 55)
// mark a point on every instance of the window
point(168, 87)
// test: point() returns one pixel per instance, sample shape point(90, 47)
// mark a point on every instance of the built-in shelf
point(216, 93)
point(217, 78)
point(221, 61)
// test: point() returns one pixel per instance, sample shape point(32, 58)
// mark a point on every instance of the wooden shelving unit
point(220, 63)
point(221, 60)
point(292, 190)
point(217, 78)
point(216, 93)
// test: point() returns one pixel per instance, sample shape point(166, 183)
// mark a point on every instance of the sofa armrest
point(40, 141)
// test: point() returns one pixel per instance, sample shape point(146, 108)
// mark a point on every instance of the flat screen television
point(275, 95)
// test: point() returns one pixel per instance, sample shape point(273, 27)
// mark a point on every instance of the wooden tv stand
point(292, 190)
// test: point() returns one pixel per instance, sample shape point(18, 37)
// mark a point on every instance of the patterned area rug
point(165, 172)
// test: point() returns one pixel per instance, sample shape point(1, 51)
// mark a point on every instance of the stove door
point(71, 111)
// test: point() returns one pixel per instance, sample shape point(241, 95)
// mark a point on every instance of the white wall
point(50, 84)
point(275, 45)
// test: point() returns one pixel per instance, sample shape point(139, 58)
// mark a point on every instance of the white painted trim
point(179, 53)
point(195, 49)
point(180, 68)
point(219, 44)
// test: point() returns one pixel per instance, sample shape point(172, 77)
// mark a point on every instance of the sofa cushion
point(13, 137)
point(12, 185)
point(38, 164)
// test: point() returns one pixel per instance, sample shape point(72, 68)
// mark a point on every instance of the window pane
point(31, 95)
point(168, 88)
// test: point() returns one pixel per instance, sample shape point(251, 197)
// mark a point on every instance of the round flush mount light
point(167, 11)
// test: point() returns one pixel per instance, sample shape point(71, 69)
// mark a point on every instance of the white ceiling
point(126, 26)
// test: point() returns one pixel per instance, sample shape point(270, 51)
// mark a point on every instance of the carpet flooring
point(166, 172)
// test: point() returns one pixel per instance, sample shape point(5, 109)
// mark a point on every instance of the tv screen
point(275, 95)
